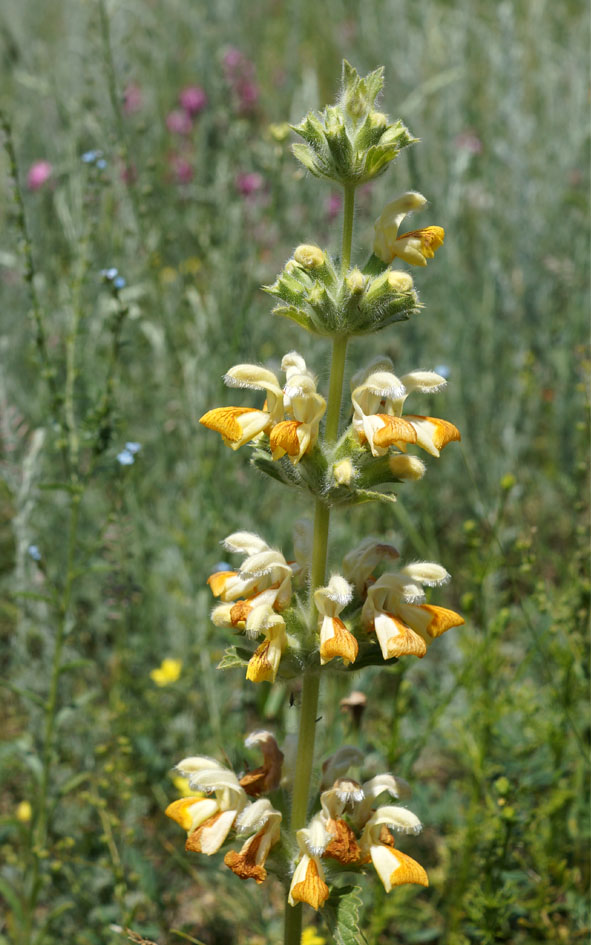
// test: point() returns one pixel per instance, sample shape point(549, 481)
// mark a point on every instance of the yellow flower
point(378, 400)
point(24, 812)
point(335, 639)
point(393, 868)
point(239, 425)
point(395, 610)
point(415, 246)
point(168, 672)
point(311, 937)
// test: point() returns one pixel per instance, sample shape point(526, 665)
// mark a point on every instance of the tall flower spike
point(404, 627)
point(238, 425)
point(414, 247)
point(393, 868)
point(335, 639)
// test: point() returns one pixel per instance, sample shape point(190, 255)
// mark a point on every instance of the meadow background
point(104, 552)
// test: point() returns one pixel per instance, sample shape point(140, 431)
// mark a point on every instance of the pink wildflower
point(249, 184)
point(232, 59)
point(333, 206)
point(179, 123)
point(469, 141)
point(182, 168)
point(192, 99)
point(39, 174)
point(132, 99)
point(248, 94)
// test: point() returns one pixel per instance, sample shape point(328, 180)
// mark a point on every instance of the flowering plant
point(290, 619)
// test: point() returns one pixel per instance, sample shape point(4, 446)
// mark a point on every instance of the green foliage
point(492, 728)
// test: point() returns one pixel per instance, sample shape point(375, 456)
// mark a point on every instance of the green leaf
point(306, 157)
point(74, 782)
point(11, 896)
point(23, 692)
point(368, 495)
point(231, 659)
point(297, 315)
point(342, 916)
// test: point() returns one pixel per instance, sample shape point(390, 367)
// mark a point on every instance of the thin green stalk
point(348, 214)
point(311, 686)
point(51, 706)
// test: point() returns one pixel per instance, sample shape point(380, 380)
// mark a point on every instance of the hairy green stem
point(311, 686)
point(348, 214)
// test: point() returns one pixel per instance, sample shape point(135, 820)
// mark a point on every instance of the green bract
point(357, 304)
point(351, 142)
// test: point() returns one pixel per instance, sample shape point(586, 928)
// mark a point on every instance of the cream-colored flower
point(297, 436)
point(238, 425)
point(308, 883)
point(207, 820)
point(414, 247)
point(335, 639)
point(393, 868)
point(394, 609)
point(376, 394)
point(249, 862)
point(378, 401)
point(264, 663)
point(263, 581)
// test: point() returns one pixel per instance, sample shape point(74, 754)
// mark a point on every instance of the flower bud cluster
point(351, 142)
point(319, 300)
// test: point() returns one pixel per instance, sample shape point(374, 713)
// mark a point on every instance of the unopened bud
point(310, 257)
point(355, 281)
point(378, 119)
point(343, 472)
point(400, 281)
point(403, 466)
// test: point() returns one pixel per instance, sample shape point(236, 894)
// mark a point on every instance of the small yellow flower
point(168, 672)
point(311, 937)
point(190, 266)
point(24, 812)
point(168, 275)
point(279, 131)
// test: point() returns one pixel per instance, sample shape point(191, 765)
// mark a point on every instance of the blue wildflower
point(101, 164)
point(133, 447)
point(119, 282)
point(125, 458)
point(34, 552)
point(221, 566)
point(109, 274)
point(443, 369)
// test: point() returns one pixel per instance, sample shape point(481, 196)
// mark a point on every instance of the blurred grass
point(492, 729)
